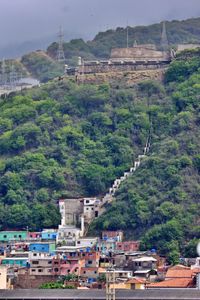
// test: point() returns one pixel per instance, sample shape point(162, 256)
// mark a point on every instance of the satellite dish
point(198, 249)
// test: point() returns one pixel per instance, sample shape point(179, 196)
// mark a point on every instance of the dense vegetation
point(41, 66)
point(68, 140)
point(63, 140)
point(160, 203)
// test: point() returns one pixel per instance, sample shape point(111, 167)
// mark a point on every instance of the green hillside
point(63, 140)
point(159, 204)
point(69, 140)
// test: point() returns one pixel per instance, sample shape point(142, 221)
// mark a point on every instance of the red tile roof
point(179, 273)
point(180, 267)
point(173, 283)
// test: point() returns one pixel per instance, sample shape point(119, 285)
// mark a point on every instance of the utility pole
point(60, 52)
point(110, 283)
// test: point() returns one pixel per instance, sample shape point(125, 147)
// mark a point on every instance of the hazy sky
point(22, 20)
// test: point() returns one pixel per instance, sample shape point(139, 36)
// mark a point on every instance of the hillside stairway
point(110, 196)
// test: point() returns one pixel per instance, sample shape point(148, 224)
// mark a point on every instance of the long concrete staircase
point(110, 196)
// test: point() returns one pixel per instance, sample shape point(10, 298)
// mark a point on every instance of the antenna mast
point(164, 39)
point(127, 37)
point(60, 51)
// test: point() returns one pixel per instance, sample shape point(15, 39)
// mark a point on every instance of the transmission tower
point(60, 51)
point(127, 37)
point(164, 39)
point(13, 77)
point(3, 73)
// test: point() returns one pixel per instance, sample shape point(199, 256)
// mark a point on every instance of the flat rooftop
point(164, 294)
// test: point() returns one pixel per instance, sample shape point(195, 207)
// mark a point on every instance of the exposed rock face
point(128, 78)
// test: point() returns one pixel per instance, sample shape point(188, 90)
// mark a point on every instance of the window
point(34, 254)
point(78, 242)
point(40, 270)
point(87, 201)
point(35, 262)
point(49, 262)
point(33, 270)
point(89, 262)
point(55, 262)
point(15, 236)
point(55, 269)
point(84, 272)
point(5, 236)
point(20, 236)
point(95, 272)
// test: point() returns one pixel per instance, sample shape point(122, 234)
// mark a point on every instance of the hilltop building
point(137, 57)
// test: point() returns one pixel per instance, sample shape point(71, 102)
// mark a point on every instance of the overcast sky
point(22, 20)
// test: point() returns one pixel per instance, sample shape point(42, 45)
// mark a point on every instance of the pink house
point(34, 235)
point(67, 266)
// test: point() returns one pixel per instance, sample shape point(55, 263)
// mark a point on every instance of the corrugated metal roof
point(164, 294)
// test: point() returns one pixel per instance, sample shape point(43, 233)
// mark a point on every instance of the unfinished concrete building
point(76, 215)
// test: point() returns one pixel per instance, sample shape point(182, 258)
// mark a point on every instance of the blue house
point(43, 247)
point(49, 235)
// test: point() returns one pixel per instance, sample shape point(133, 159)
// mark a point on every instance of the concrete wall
point(30, 281)
point(182, 47)
point(122, 67)
point(73, 208)
point(138, 53)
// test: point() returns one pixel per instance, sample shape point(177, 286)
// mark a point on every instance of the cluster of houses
point(29, 259)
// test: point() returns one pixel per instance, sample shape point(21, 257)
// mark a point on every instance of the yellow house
point(131, 284)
